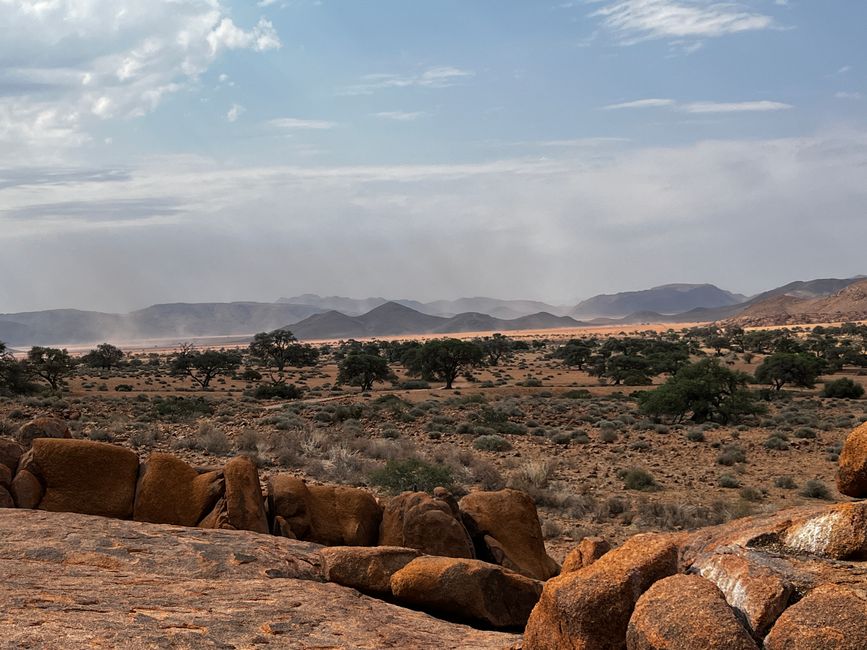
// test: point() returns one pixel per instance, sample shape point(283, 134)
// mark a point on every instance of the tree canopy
point(361, 369)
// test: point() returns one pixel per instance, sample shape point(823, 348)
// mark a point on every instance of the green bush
point(639, 479)
point(277, 390)
point(785, 482)
point(731, 455)
point(492, 443)
point(814, 489)
point(412, 474)
point(729, 482)
point(175, 409)
point(843, 388)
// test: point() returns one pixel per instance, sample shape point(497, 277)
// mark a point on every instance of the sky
point(213, 150)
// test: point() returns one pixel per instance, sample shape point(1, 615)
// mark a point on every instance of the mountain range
point(314, 317)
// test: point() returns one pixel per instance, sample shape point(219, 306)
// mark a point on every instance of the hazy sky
point(198, 150)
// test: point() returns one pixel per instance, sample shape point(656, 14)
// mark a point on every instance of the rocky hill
point(847, 304)
point(666, 299)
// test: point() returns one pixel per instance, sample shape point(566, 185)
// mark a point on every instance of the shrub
point(843, 388)
point(212, 440)
point(729, 482)
point(776, 443)
point(414, 384)
point(123, 388)
point(638, 479)
point(145, 437)
point(814, 489)
point(175, 409)
point(785, 482)
point(248, 440)
point(413, 474)
point(695, 435)
point(805, 432)
point(751, 494)
point(277, 390)
point(608, 435)
point(492, 443)
point(730, 455)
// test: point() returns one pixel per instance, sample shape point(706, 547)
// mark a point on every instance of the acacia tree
point(279, 349)
point(705, 390)
point(50, 364)
point(496, 348)
point(105, 356)
point(202, 367)
point(14, 375)
point(796, 368)
point(361, 369)
point(445, 359)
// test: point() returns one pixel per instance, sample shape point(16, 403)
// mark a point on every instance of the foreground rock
point(590, 608)
point(852, 470)
point(586, 553)
point(43, 427)
point(505, 529)
point(172, 492)
point(91, 478)
point(467, 589)
point(368, 569)
point(685, 613)
point(430, 525)
point(133, 585)
point(830, 616)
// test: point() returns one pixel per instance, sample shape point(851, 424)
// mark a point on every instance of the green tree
point(104, 356)
point(14, 375)
point(704, 390)
point(360, 369)
point(445, 359)
point(50, 364)
point(280, 348)
point(796, 368)
point(496, 348)
point(202, 367)
point(574, 353)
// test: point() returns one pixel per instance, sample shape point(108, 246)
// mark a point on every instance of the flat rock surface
point(72, 581)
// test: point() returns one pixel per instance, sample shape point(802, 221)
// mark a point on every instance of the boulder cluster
point(481, 559)
point(795, 579)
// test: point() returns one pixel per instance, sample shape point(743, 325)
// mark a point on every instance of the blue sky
point(210, 150)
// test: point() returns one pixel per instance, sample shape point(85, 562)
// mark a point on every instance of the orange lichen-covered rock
point(685, 612)
point(471, 590)
point(245, 505)
point(417, 520)
point(590, 609)
point(172, 492)
point(852, 466)
point(586, 553)
point(505, 524)
point(366, 568)
point(90, 478)
point(43, 427)
point(830, 616)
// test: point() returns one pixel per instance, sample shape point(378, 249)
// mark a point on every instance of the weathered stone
point(840, 532)
point(10, 452)
point(26, 489)
point(91, 478)
point(417, 520)
point(510, 518)
point(366, 568)
point(852, 466)
point(759, 594)
point(343, 516)
point(84, 582)
point(43, 427)
point(685, 612)
point(217, 518)
point(170, 491)
point(334, 515)
point(6, 500)
point(470, 590)
point(287, 499)
point(830, 616)
point(590, 609)
point(586, 553)
point(5, 476)
point(245, 506)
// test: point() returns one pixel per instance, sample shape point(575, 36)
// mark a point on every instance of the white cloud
point(292, 123)
point(436, 77)
point(641, 103)
point(235, 112)
point(637, 20)
point(848, 95)
point(685, 214)
point(401, 116)
point(761, 106)
point(735, 107)
point(91, 60)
